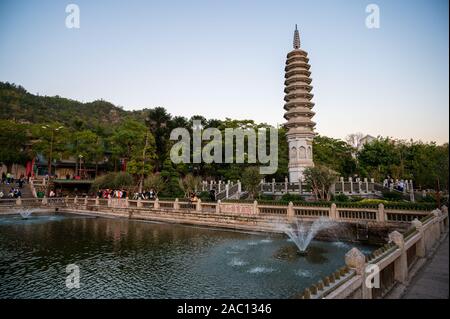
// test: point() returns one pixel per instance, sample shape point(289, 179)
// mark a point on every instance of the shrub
point(392, 196)
point(292, 198)
point(341, 198)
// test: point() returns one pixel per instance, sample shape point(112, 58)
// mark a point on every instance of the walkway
point(432, 281)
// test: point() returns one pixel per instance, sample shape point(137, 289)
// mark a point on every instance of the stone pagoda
point(299, 112)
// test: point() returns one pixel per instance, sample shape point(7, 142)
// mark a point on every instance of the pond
point(120, 258)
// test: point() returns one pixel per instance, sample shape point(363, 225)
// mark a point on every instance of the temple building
point(299, 112)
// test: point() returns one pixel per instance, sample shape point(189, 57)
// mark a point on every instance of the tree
point(52, 142)
point(251, 178)
point(170, 175)
point(335, 154)
point(321, 179)
point(190, 184)
point(89, 145)
point(155, 182)
point(14, 142)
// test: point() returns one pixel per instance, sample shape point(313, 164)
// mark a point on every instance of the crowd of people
point(15, 184)
point(399, 185)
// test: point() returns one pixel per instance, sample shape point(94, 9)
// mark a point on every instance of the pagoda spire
point(296, 38)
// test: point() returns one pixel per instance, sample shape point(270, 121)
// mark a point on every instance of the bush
point(292, 198)
point(341, 198)
point(392, 196)
point(427, 199)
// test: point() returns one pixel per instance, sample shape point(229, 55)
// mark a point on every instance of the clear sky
point(226, 59)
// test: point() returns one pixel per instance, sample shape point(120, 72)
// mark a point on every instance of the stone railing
point(392, 262)
point(304, 210)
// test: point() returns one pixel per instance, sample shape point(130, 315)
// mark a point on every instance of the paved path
point(432, 281)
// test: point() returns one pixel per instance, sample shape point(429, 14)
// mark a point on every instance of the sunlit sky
point(226, 59)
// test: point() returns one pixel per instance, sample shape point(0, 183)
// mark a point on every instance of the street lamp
point(53, 130)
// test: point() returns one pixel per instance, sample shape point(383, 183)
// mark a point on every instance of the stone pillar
point(45, 200)
point(85, 200)
point(255, 207)
point(359, 187)
point(333, 212)
point(239, 188)
point(219, 186)
point(286, 185)
point(420, 245)
point(342, 185)
point(411, 192)
point(350, 180)
point(300, 189)
point(18, 201)
point(381, 216)
point(176, 204)
point(366, 182)
point(75, 200)
point(401, 263)
point(227, 186)
point(156, 204)
point(273, 185)
point(198, 205)
point(97, 201)
point(218, 207)
point(127, 203)
point(139, 202)
point(290, 211)
point(356, 260)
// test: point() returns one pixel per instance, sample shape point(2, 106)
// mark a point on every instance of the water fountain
point(25, 213)
point(302, 234)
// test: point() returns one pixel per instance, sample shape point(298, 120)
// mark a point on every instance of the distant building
point(364, 140)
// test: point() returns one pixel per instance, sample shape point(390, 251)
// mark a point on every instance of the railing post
point(262, 185)
point(300, 189)
point(333, 212)
point(285, 185)
point(381, 217)
point(156, 204)
point(401, 263)
point(127, 203)
point(75, 200)
point(176, 204)
point(18, 201)
point(227, 188)
point(273, 185)
point(342, 185)
point(109, 201)
point(198, 206)
point(45, 200)
point(356, 260)
point(351, 184)
point(97, 201)
point(239, 188)
point(290, 211)
point(85, 200)
point(411, 192)
point(219, 186)
point(420, 245)
point(255, 207)
point(139, 202)
point(366, 182)
point(218, 207)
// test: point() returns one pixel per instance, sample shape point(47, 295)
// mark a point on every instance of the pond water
point(119, 258)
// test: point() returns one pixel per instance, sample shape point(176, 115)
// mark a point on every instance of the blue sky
point(226, 59)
